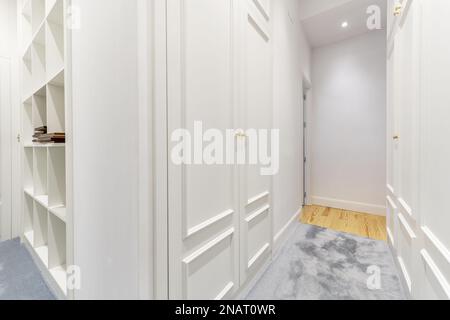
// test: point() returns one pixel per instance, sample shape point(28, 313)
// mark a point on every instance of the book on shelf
point(54, 137)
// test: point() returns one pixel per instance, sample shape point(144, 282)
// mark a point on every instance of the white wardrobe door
point(203, 225)
point(405, 151)
point(391, 148)
point(435, 172)
point(256, 113)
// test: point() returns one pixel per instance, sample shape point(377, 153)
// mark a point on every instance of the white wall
point(7, 27)
point(349, 124)
point(8, 89)
point(105, 149)
point(291, 60)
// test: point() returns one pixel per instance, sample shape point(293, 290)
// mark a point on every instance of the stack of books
point(41, 136)
point(38, 132)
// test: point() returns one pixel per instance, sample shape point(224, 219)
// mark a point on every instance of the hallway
point(184, 150)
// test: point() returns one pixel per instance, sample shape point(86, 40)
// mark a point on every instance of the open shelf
point(27, 28)
point(42, 253)
point(59, 212)
point(44, 164)
point(38, 14)
point(55, 39)
point(27, 72)
point(58, 79)
point(42, 201)
point(44, 145)
point(28, 182)
point(38, 59)
point(40, 226)
point(56, 177)
point(60, 275)
point(29, 236)
point(39, 113)
point(50, 4)
point(27, 123)
point(55, 108)
point(29, 192)
point(57, 242)
point(40, 172)
point(28, 213)
point(54, 48)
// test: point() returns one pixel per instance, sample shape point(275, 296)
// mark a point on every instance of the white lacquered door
point(220, 78)
point(391, 144)
point(404, 148)
point(435, 152)
point(203, 199)
point(255, 113)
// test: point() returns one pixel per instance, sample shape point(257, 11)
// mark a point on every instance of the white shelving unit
point(45, 223)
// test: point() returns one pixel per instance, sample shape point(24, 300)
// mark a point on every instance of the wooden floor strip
point(356, 223)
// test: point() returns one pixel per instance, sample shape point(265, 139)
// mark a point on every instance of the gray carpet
point(20, 279)
point(320, 264)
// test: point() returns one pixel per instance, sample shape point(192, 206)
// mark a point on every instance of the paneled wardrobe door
point(391, 203)
point(203, 204)
point(255, 113)
point(406, 138)
point(435, 152)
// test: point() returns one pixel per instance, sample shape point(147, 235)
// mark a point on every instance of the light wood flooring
point(356, 223)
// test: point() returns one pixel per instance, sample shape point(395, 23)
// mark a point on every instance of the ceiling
point(322, 19)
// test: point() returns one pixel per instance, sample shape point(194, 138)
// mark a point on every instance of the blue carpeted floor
point(20, 278)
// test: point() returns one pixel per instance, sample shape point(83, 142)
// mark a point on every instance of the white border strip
point(257, 198)
point(208, 247)
point(437, 243)
point(406, 226)
point(208, 223)
point(436, 272)
point(258, 255)
point(255, 215)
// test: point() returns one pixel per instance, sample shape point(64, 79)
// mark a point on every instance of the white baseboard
point(350, 205)
point(284, 233)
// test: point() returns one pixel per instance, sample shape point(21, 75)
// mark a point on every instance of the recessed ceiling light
point(344, 24)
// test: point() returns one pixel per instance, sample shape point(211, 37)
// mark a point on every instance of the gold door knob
point(396, 137)
point(241, 134)
point(398, 10)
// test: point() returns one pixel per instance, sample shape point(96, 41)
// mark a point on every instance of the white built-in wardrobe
point(219, 72)
point(419, 144)
point(109, 201)
point(45, 218)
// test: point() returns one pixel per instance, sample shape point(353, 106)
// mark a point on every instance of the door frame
point(6, 149)
point(307, 137)
point(160, 139)
point(11, 176)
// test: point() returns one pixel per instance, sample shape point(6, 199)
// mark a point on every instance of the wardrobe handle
point(241, 134)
